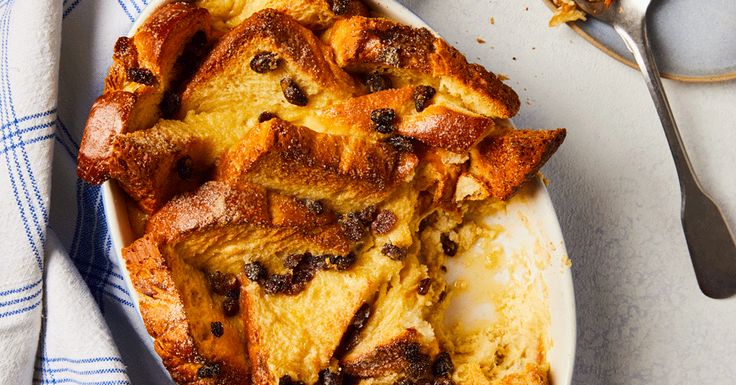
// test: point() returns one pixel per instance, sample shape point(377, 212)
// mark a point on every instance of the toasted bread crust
point(394, 357)
point(313, 14)
point(125, 105)
point(109, 117)
point(504, 163)
point(218, 205)
point(297, 160)
point(438, 125)
point(272, 29)
point(166, 320)
point(369, 44)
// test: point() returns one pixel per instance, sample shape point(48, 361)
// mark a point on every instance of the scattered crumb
point(526, 8)
point(502, 77)
point(480, 40)
point(544, 179)
point(566, 261)
point(528, 102)
point(513, 58)
point(533, 48)
point(493, 21)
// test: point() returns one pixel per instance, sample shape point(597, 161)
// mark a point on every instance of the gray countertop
point(641, 317)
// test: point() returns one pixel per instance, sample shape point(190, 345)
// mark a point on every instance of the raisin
point(292, 92)
point(315, 262)
point(385, 222)
point(217, 329)
point(422, 96)
point(276, 283)
point(286, 380)
point(353, 227)
point(266, 116)
point(141, 75)
point(377, 82)
point(400, 143)
point(292, 260)
point(443, 381)
point(223, 283)
point(383, 116)
point(255, 271)
point(170, 104)
point(424, 286)
point(125, 51)
point(419, 363)
point(184, 168)
point(264, 62)
point(230, 306)
point(339, 7)
point(208, 370)
point(314, 207)
point(394, 252)
point(449, 247)
point(350, 338)
point(361, 317)
point(343, 263)
point(368, 214)
point(442, 365)
point(383, 119)
point(328, 377)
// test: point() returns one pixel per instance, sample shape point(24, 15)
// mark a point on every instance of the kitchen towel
point(66, 315)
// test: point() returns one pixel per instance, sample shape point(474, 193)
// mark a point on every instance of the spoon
point(711, 243)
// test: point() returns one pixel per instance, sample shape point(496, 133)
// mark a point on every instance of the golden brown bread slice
point(440, 123)
point(314, 14)
point(414, 56)
point(500, 165)
point(397, 339)
point(217, 229)
point(171, 157)
point(296, 336)
point(245, 70)
point(144, 68)
point(346, 172)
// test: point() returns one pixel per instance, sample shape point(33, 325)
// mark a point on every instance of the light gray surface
point(641, 317)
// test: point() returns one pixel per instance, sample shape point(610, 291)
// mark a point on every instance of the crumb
point(526, 8)
point(566, 262)
point(480, 40)
point(528, 102)
point(493, 21)
point(513, 58)
point(502, 77)
point(533, 48)
point(544, 179)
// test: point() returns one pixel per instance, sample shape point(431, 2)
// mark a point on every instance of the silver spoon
point(711, 244)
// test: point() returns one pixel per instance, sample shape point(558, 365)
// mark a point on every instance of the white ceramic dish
point(530, 223)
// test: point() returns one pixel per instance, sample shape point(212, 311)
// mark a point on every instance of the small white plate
point(530, 220)
point(692, 41)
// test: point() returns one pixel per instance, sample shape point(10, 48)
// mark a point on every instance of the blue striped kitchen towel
point(66, 315)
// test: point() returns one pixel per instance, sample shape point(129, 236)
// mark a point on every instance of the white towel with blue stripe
point(66, 316)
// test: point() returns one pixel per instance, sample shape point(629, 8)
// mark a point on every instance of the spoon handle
point(711, 244)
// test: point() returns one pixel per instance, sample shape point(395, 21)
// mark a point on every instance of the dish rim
point(563, 327)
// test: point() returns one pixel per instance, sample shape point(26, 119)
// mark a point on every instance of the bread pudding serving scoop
point(305, 181)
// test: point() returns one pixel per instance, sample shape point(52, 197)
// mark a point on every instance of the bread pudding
point(302, 174)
